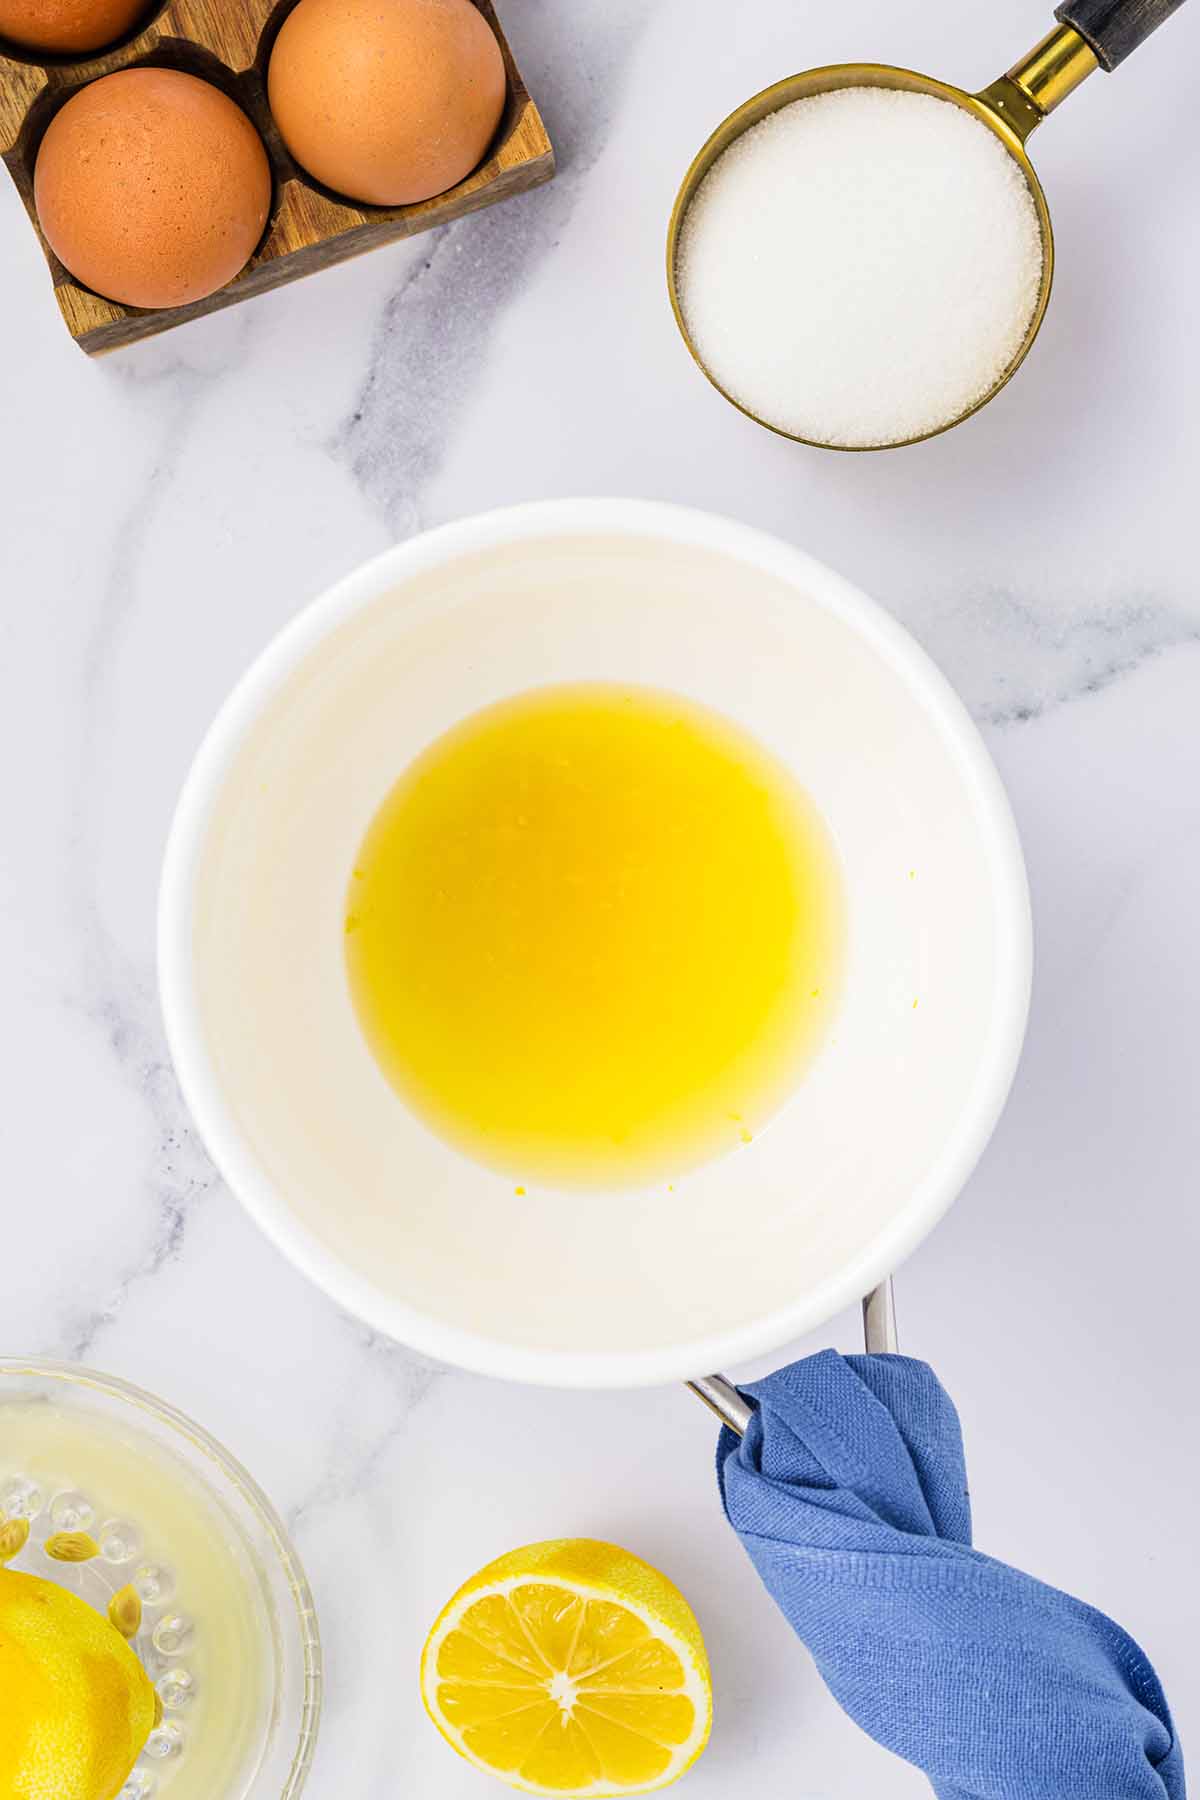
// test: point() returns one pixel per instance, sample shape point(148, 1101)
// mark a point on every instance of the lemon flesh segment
point(570, 1668)
point(76, 1706)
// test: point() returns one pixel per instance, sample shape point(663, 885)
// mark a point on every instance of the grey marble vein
point(180, 1174)
point(114, 994)
point(1013, 659)
point(354, 1459)
point(434, 333)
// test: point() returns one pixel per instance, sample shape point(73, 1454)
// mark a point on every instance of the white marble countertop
point(164, 511)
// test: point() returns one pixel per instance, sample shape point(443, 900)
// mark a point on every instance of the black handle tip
point(1115, 27)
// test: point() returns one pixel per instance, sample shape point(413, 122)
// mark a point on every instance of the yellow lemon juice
point(594, 934)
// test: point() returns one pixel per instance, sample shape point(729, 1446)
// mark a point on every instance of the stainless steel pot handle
point(879, 1330)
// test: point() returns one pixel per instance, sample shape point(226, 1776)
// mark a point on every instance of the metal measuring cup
point(1091, 34)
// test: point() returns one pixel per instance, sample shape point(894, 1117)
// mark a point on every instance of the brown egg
point(387, 101)
point(68, 27)
point(152, 187)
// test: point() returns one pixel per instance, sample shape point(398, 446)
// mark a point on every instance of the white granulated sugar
point(861, 267)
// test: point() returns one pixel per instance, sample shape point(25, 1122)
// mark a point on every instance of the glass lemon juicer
point(110, 1492)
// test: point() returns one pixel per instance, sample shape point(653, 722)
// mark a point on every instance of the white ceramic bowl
point(594, 1289)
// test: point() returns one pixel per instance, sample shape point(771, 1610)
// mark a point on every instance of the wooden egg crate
point(228, 43)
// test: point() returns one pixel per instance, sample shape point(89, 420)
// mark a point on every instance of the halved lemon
point(570, 1668)
point(76, 1705)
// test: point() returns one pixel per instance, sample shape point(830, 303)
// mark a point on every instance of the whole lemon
point(77, 1704)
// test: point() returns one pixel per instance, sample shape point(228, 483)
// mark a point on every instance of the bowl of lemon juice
point(594, 943)
point(125, 1504)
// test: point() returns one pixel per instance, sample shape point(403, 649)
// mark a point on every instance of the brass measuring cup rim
point(1010, 108)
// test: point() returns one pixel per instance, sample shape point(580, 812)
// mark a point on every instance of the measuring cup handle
point(1115, 27)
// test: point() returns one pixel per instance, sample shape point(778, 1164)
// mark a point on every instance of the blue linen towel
point(849, 1491)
